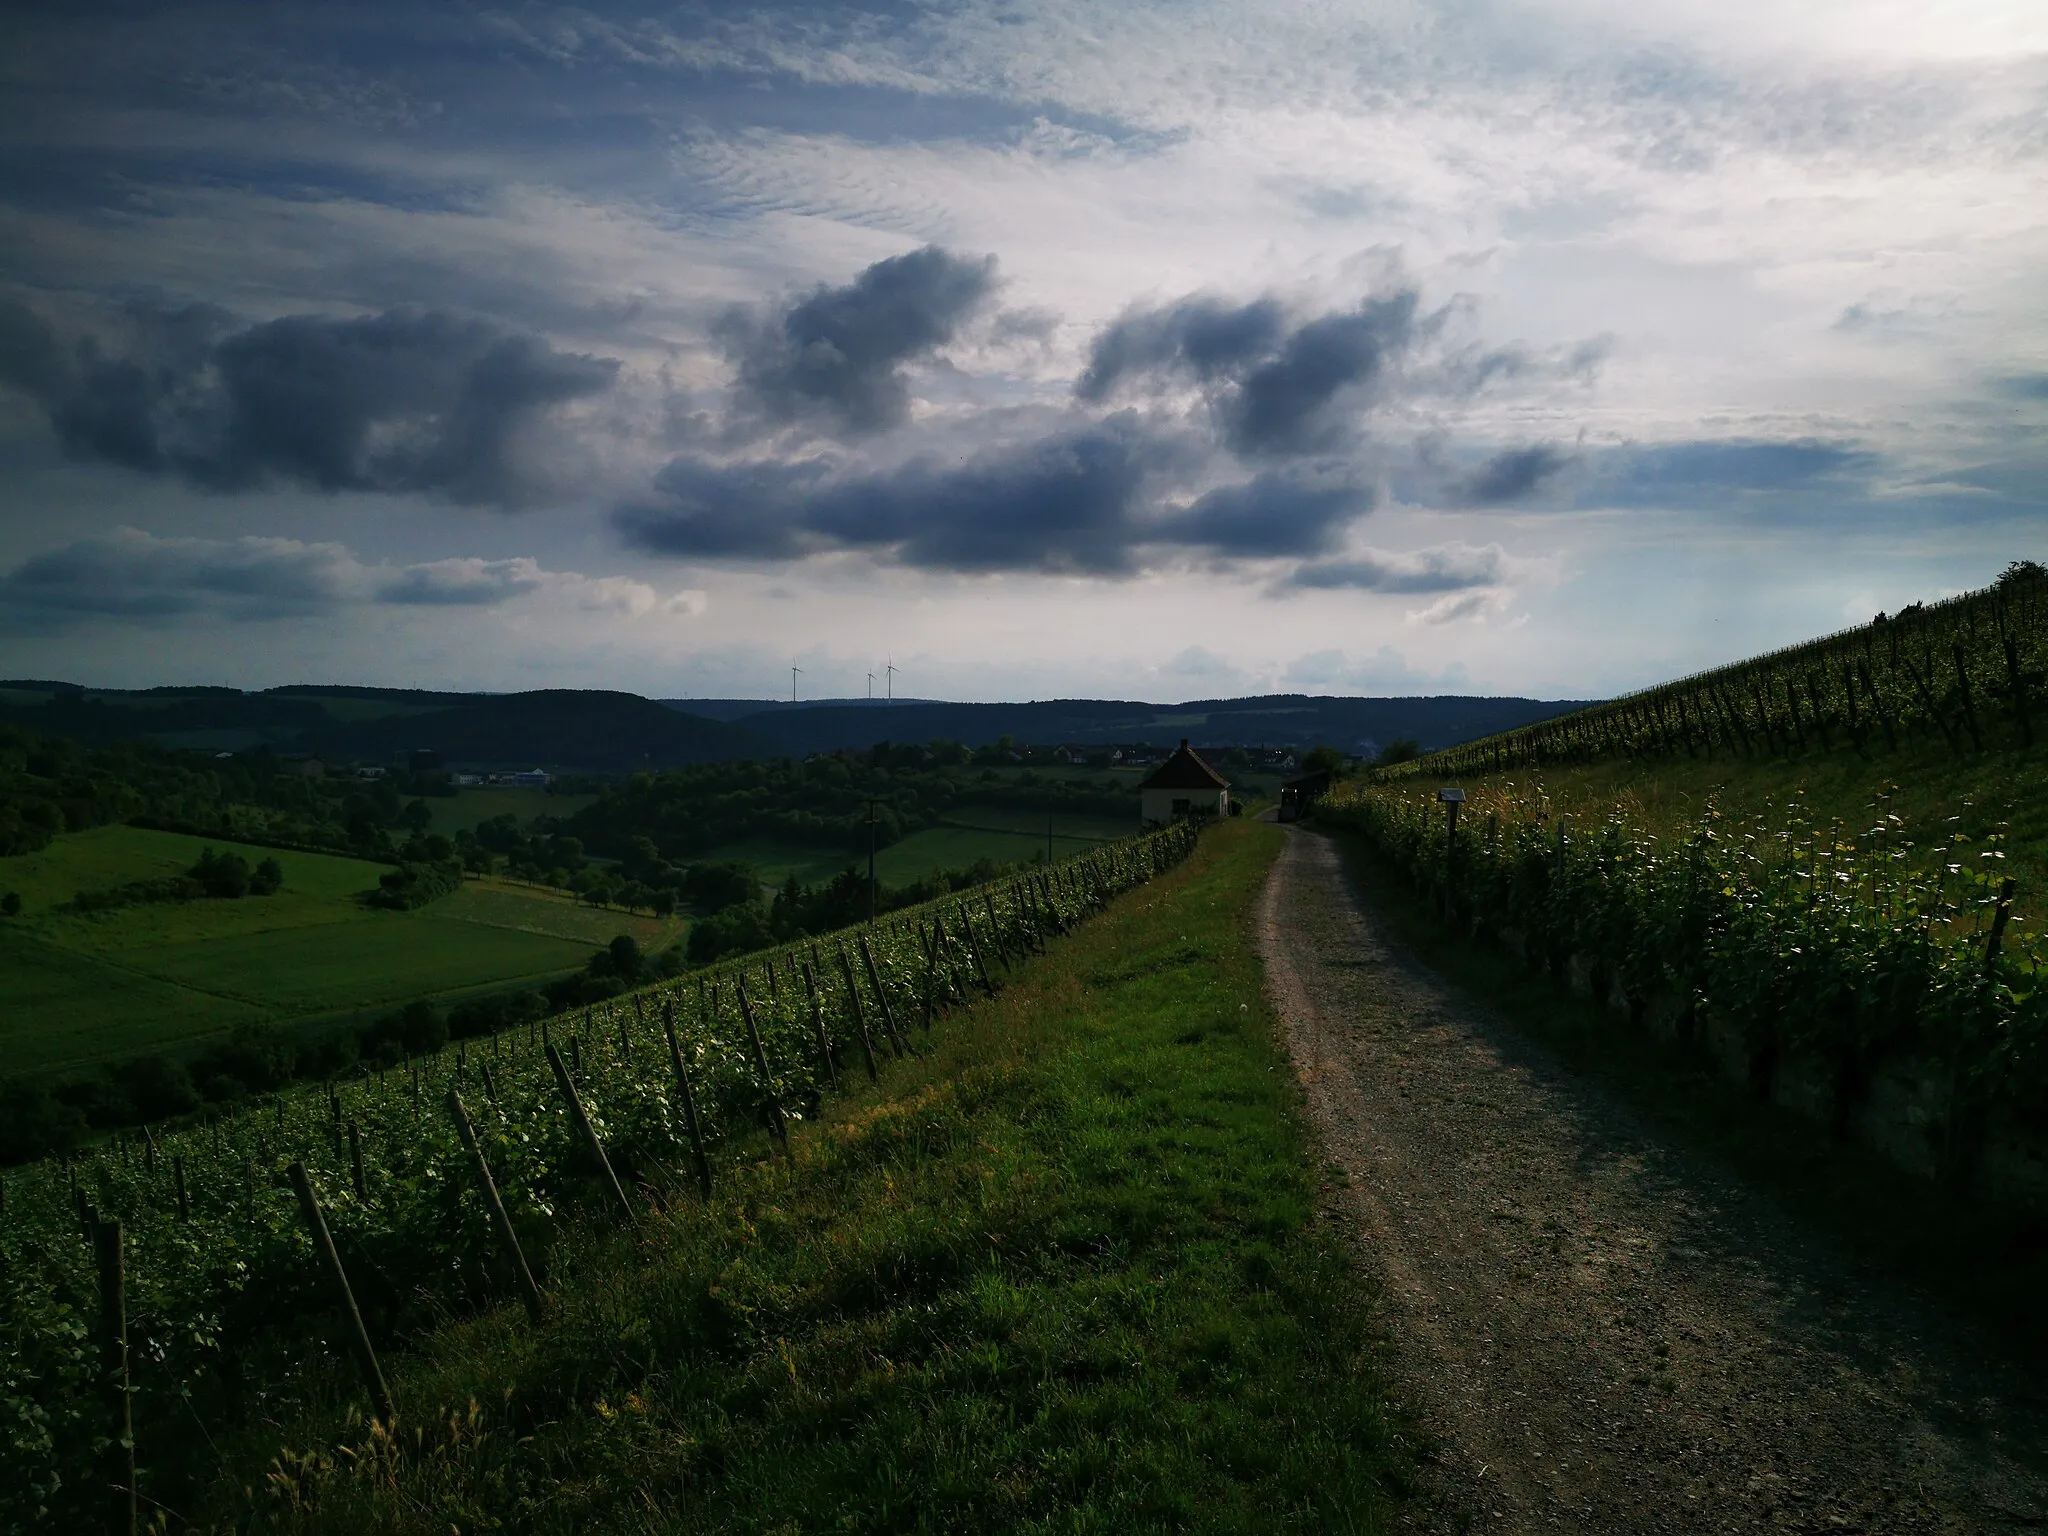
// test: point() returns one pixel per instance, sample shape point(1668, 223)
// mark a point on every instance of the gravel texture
point(1603, 1333)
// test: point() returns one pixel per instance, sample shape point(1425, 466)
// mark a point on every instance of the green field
point(467, 807)
point(77, 989)
point(1061, 1272)
point(980, 832)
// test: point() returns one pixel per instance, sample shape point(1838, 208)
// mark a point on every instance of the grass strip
point(1063, 1272)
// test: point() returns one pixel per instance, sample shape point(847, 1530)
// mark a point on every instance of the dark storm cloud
point(1085, 500)
point(1204, 338)
point(134, 575)
point(1450, 568)
point(837, 356)
point(1068, 502)
point(460, 583)
point(408, 400)
point(1288, 512)
point(130, 574)
point(1277, 388)
point(1512, 474)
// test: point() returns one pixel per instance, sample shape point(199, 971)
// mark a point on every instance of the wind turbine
point(871, 687)
point(793, 671)
point(891, 670)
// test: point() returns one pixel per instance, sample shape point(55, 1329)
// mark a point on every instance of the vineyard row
point(1968, 672)
point(641, 1099)
point(1831, 968)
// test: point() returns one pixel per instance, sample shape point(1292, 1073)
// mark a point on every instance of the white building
point(1183, 785)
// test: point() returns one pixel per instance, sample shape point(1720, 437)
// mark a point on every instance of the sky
point(1137, 350)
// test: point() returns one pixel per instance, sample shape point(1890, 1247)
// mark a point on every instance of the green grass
point(78, 989)
point(977, 832)
point(509, 905)
point(1062, 1272)
point(467, 807)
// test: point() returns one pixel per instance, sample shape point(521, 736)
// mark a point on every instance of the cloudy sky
point(1147, 350)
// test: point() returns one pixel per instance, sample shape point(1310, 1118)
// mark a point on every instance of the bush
point(267, 878)
point(254, 1058)
point(157, 1087)
point(414, 885)
point(34, 1122)
point(222, 874)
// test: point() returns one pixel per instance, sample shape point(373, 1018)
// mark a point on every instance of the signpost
point(1452, 799)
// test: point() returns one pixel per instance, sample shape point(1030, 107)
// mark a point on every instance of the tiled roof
point(1184, 770)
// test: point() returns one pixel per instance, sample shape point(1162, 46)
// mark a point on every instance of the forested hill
point(612, 732)
point(1271, 720)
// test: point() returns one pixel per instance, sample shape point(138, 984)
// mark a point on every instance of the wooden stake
point(178, 1179)
point(675, 1056)
point(860, 1018)
point(825, 1061)
point(1999, 918)
point(974, 949)
point(588, 1131)
point(867, 960)
point(488, 1188)
point(120, 1455)
point(355, 1163)
point(776, 1123)
point(323, 1244)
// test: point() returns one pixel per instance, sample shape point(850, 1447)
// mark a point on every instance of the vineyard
point(1969, 672)
point(1838, 969)
point(171, 1276)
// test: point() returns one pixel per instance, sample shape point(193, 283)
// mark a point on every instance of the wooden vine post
point(675, 1056)
point(355, 1163)
point(867, 960)
point(359, 1336)
point(2001, 915)
point(776, 1123)
point(860, 1018)
point(825, 1061)
point(120, 1455)
point(586, 1130)
point(529, 1293)
point(178, 1181)
point(974, 949)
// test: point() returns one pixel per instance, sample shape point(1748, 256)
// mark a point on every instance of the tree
point(222, 874)
point(1322, 760)
point(1405, 750)
point(267, 878)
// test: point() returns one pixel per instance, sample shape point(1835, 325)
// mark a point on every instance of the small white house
point(1183, 785)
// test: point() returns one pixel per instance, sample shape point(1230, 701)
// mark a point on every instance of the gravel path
point(1605, 1334)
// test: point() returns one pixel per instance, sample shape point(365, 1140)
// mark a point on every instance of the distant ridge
point(599, 730)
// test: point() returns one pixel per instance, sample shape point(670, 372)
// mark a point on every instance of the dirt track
point(1603, 1334)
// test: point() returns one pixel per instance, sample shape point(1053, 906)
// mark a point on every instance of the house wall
point(1155, 806)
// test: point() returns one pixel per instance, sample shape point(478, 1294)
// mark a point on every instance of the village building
point(1183, 785)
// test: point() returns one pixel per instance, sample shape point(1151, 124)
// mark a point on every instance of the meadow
point(77, 989)
point(998, 834)
point(1060, 1266)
